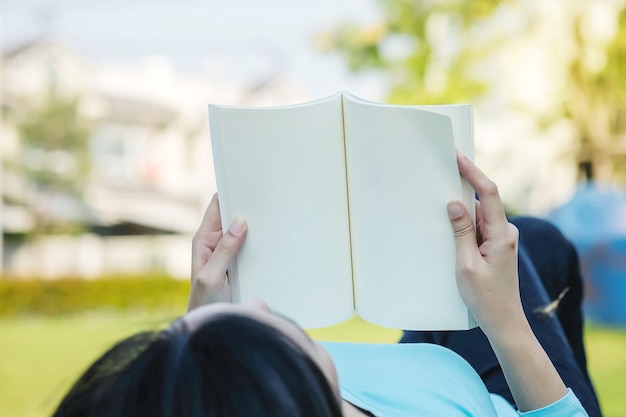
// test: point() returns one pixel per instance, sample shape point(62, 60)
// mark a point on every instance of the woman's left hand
point(212, 252)
point(488, 282)
point(487, 275)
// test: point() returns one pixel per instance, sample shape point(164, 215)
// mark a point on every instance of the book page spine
point(462, 118)
point(469, 195)
point(467, 147)
point(345, 152)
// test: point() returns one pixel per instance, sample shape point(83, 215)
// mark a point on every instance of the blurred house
point(151, 171)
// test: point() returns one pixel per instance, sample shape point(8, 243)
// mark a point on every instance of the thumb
point(464, 233)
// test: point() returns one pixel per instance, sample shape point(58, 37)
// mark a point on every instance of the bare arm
point(489, 284)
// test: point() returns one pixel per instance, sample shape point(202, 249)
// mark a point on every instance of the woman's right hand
point(212, 252)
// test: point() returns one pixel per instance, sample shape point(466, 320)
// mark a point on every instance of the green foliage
point(34, 297)
point(53, 164)
point(55, 139)
point(444, 42)
point(597, 101)
point(612, 81)
point(423, 73)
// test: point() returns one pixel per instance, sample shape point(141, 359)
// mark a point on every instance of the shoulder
point(419, 354)
point(420, 378)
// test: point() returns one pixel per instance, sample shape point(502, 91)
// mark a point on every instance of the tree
point(596, 101)
point(426, 48)
point(54, 158)
point(434, 51)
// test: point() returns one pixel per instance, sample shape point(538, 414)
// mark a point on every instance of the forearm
point(488, 281)
point(532, 378)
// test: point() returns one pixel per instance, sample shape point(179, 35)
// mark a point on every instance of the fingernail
point(455, 210)
point(237, 226)
point(462, 156)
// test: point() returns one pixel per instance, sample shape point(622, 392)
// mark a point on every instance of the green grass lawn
point(606, 355)
point(40, 357)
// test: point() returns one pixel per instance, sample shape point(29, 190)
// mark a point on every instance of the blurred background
point(106, 162)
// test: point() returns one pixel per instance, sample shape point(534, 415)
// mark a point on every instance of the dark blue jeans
point(548, 263)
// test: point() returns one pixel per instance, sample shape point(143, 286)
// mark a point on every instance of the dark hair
point(232, 365)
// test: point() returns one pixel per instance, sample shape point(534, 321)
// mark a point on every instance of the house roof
point(135, 110)
point(45, 42)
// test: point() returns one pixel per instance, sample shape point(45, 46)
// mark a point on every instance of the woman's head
point(218, 360)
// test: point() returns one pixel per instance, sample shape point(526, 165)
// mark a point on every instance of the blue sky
point(251, 37)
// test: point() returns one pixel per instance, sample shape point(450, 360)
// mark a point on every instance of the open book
point(345, 201)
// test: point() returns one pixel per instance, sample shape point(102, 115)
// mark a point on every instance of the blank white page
point(462, 119)
point(402, 172)
point(283, 169)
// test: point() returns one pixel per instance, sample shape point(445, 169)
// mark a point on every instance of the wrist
point(508, 326)
point(524, 362)
point(516, 332)
point(201, 294)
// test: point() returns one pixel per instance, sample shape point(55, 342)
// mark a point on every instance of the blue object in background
point(604, 266)
point(595, 214)
point(595, 221)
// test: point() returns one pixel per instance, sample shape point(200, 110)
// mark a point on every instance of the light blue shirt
point(420, 379)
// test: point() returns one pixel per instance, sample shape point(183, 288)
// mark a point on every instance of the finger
point(227, 248)
point(207, 236)
point(467, 252)
point(487, 191)
point(211, 221)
